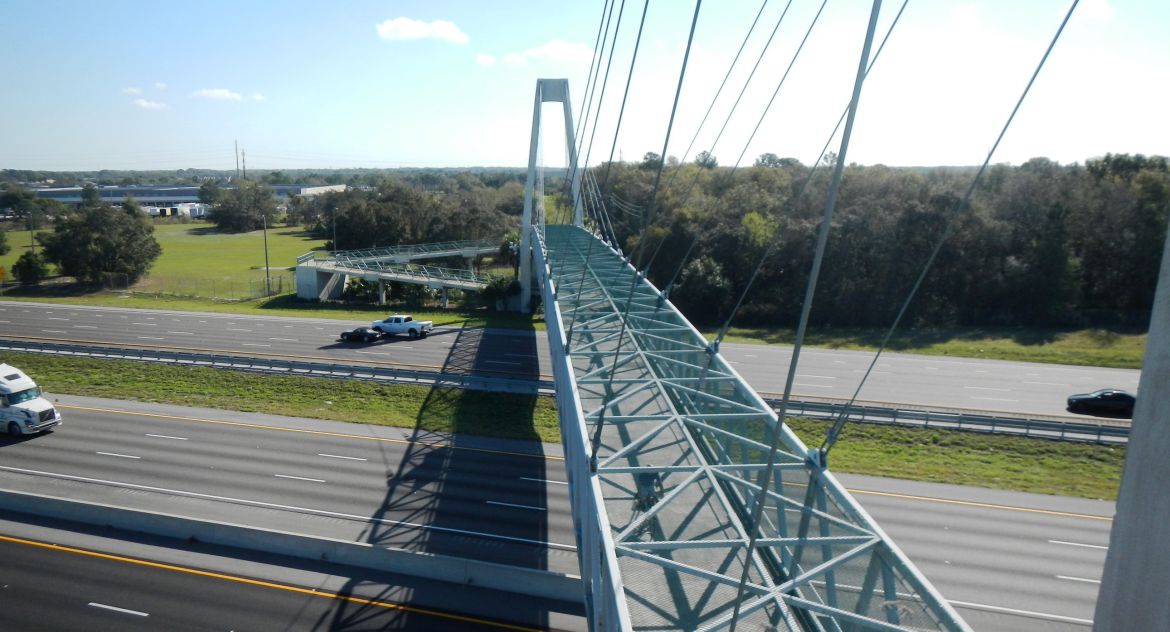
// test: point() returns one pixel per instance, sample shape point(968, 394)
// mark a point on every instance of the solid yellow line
point(323, 433)
point(264, 584)
point(968, 503)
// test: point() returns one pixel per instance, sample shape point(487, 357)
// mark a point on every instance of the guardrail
point(289, 367)
point(1089, 432)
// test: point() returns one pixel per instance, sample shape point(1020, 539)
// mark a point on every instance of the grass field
point(1086, 347)
point(1033, 465)
point(198, 263)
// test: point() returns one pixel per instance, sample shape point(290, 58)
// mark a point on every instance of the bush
point(30, 268)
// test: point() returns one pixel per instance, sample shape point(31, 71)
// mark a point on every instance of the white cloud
point(553, 50)
point(408, 29)
point(132, 91)
point(149, 105)
point(160, 85)
point(484, 59)
point(256, 96)
point(217, 94)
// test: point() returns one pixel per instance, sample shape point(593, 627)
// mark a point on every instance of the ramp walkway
point(324, 279)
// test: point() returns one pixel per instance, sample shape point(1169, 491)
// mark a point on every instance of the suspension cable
point(593, 89)
point(951, 227)
point(642, 239)
point(818, 257)
point(626, 94)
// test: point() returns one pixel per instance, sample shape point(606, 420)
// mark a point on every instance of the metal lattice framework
point(665, 444)
point(412, 252)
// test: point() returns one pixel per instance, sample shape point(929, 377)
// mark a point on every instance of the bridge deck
point(664, 516)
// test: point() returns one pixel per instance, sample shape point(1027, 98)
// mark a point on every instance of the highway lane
point(1007, 561)
point(972, 384)
point(1011, 561)
point(481, 503)
point(51, 587)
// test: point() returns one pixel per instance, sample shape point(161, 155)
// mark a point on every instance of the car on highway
point(1107, 401)
point(403, 324)
point(361, 334)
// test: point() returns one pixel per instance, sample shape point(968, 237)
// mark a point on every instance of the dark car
point(361, 334)
point(1107, 401)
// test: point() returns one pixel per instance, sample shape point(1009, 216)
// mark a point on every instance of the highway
point(1008, 561)
point(45, 586)
point(971, 384)
point(380, 486)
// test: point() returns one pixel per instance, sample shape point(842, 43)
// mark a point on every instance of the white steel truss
point(665, 447)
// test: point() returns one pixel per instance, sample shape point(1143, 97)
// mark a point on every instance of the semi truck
point(23, 409)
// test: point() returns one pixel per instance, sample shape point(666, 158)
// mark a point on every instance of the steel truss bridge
point(666, 447)
point(325, 278)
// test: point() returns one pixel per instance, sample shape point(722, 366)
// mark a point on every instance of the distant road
point(1012, 387)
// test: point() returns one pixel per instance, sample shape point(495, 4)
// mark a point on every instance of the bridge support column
point(1137, 566)
point(547, 91)
point(381, 292)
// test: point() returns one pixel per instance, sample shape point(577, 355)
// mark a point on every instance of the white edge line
point(117, 609)
point(1087, 546)
point(1079, 579)
point(121, 456)
point(261, 503)
point(300, 478)
point(1026, 613)
point(493, 502)
point(158, 436)
point(542, 480)
point(338, 456)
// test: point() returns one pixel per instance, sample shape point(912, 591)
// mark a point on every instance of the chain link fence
point(232, 289)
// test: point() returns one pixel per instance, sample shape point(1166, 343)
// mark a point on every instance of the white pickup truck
point(22, 409)
point(403, 324)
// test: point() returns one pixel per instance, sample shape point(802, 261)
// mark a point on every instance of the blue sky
point(167, 85)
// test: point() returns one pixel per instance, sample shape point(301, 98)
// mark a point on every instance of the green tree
point(706, 160)
point(30, 268)
point(102, 241)
point(4, 247)
point(244, 208)
point(209, 192)
point(90, 196)
point(770, 160)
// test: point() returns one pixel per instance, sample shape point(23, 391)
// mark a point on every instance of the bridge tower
point(547, 91)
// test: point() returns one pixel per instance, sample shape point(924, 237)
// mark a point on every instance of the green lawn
point(1017, 463)
point(1086, 347)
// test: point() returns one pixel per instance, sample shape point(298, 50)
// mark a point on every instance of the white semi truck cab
point(22, 409)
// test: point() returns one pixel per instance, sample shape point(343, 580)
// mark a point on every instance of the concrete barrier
point(514, 579)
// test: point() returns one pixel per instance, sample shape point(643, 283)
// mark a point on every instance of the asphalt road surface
point(51, 587)
point(1008, 561)
point(931, 381)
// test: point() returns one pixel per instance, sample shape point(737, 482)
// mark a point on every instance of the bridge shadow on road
point(454, 494)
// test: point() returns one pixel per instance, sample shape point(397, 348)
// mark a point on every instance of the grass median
point(963, 458)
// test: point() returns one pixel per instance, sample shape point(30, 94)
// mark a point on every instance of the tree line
point(1041, 244)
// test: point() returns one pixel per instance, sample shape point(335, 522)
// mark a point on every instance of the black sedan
point(1107, 401)
point(361, 334)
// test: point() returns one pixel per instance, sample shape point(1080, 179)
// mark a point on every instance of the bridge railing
point(453, 247)
point(413, 270)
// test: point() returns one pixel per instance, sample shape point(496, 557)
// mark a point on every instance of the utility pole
point(267, 278)
point(237, 160)
point(245, 158)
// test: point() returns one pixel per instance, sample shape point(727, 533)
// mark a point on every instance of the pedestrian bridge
point(695, 507)
point(324, 279)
